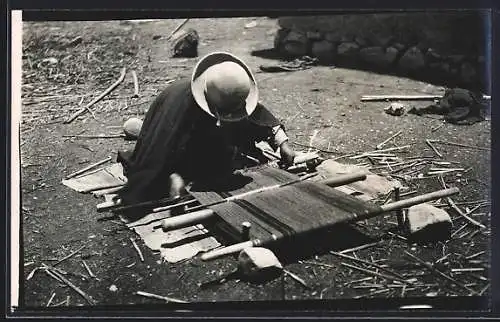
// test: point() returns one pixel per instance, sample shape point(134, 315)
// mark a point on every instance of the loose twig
point(159, 297)
point(379, 146)
point(65, 281)
point(178, 28)
point(74, 174)
point(69, 256)
point(376, 274)
point(296, 278)
point(136, 84)
point(359, 248)
point(51, 298)
point(97, 99)
point(91, 274)
point(137, 249)
point(432, 268)
point(401, 278)
point(100, 136)
point(452, 204)
point(433, 148)
point(461, 145)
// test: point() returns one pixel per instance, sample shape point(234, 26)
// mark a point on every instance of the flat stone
point(348, 49)
point(427, 223)
point(324, 50)
point(334, 37)
point(432, 56)
point(314, 35)
point(399, 46)
point(412, 60)
point(391, 53)
point(296, 43)
point(362, 42)
point(374, 56)
point(279, 37)
point(258, 263)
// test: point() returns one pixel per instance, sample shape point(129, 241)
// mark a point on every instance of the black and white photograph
point(299, 159)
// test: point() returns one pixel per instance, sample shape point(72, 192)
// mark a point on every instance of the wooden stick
point(136, 84)
point(452, 204)
point(460, 145)
point(91, 274)
point(433, 269)
point(471, 269)
point(296, 278)
point(99, 136)
point(434, 129)
point(375, 273)
point(374, 98)
point(475, 255)
point(179, 26)
point(159, 297)
point(74, 174)
point(355, 249)
point(401, 278)
point(433, 148)
point(109, 186)
point(69, 256)
point(137, 249)
point(379, 146)
point(51, 298)
point(97, 99)
point(364, 154)
point(67, 282)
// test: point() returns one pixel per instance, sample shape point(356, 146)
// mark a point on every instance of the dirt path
point(56, 220)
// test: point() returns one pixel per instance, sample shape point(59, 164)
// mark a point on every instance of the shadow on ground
point(426, 76)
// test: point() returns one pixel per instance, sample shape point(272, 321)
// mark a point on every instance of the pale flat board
point(102, 178)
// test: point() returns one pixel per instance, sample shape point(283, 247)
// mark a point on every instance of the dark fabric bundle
point(458, 106)
point(177, 136)
point(185, 44)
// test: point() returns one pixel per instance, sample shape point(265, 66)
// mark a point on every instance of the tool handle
point(302, 158)
point(216, 253)
point(344, 179)
point(407, 203)
point(186, 220)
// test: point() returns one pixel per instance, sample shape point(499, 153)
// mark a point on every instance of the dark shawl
point(177, 136)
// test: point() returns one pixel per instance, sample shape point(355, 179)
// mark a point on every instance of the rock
point(399, 46)
point(132, 127)
point(391, 53)
point(382, 41)
point(362, 42)
point(432, 56)
point(333, 37)
point(323, 50)
point(280, 37)
point(468, 73)
point(296, 43)
point(412, 60)
point(185, 43)
point(113, 288)
point(259, 264)
point(314, 35)
point(427, 223)
point(348, 49)
point(373, 56)
point(395, 109)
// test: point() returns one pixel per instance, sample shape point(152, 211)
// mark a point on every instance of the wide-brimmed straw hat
point(224, 87)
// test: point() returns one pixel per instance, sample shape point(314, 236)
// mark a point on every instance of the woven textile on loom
point(283, 212)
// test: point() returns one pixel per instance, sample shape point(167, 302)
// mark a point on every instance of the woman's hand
point(287, 154)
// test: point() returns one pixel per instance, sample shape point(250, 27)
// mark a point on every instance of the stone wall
point(444, 46)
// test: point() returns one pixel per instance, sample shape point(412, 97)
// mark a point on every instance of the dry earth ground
point(56, 220)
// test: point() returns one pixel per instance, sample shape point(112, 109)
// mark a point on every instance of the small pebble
point(113, 288)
